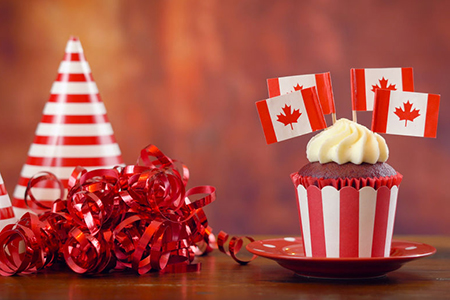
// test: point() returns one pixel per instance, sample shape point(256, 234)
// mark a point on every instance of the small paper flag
point(291, 115)
point(405, 113)
point(364, 82)
point(322, 82)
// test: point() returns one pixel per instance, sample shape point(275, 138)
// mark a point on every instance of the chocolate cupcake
point(347, 194)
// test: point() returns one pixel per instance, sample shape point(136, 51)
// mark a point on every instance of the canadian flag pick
point(288, 84)
point(364, 83)
point(291, 115)
point(6, 210)
point(405, 113)
point(74, 131)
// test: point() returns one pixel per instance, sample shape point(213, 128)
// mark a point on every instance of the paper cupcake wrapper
point(347, 222)
point(339, 183)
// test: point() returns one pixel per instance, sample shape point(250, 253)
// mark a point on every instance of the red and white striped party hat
point(74, 131)
point(6, 210)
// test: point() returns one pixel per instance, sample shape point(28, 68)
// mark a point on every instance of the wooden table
point(222, 278)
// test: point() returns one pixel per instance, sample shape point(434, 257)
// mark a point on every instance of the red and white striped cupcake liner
point(344, 221)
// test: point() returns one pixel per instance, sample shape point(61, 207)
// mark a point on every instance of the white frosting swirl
point(347, 141)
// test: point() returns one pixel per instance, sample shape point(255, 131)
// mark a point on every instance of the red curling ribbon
point(85, 253)
point(26, 246)
point(234, 246)
point(76, 173)
point(13, 260)
point(138, 217)
point(36, 180)
point(151, 151)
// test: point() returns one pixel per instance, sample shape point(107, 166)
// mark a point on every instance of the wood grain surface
point(222, 278)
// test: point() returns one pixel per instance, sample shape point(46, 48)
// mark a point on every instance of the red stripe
point(431, 119)
point(74, 140)
point(73, 162)
point(273, 86)
point(298, 207)
point(358, 86)
point(348, 222)
point(66, 98)
point(266, 122)
point(6, 213)
point(408, 79)
point(65, 119)
point(316, 222)
point(74, 56)
point(325, 92)
point(381, 220)
point(313, 109)
point(380, 110)
point(20, 203)
point(48, 184)
point(65, 77)
point(3, 190)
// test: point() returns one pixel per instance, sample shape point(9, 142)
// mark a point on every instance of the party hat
point(6, 209)
point(74, 131)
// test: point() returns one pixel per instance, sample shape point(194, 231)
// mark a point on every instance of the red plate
point(288, 252)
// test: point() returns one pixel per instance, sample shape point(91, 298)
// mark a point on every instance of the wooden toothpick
point(354, 116)
point(333, 117)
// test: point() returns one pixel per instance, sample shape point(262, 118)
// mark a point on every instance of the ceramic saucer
point(288, 252)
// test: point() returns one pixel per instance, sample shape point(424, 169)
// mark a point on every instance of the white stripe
point(5, 201)
point(304, 215)
point(19, 212)
point(100, 129)
point(47, 194)
point(1, 179)
point(74, 67)
point(3, 223)
point(74, 151)
point(74, 47)
point(391, 219)
point(367, 207)
point(373, 77)
point(74, 109)
point(29, 171)
point(417, 126)
point(74, 88)
point(330, 204)
point(275, 106)
point(288, 83)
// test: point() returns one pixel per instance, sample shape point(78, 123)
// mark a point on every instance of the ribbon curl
point(138, 216)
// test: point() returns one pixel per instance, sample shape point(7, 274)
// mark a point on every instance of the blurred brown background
point(185, 76)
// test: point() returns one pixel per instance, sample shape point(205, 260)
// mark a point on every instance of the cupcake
point(347, 194)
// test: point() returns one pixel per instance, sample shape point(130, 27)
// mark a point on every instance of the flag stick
point(333, 117)
point(354, 116)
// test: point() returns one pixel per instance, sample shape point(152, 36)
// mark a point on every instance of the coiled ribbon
point(139, 216)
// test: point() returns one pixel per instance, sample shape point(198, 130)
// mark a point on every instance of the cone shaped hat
point(6, 210)
point(74, 131)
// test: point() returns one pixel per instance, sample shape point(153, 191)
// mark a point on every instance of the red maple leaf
point(406, 113)
point(289, 117)
point(383, 85)
point(298, 87)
